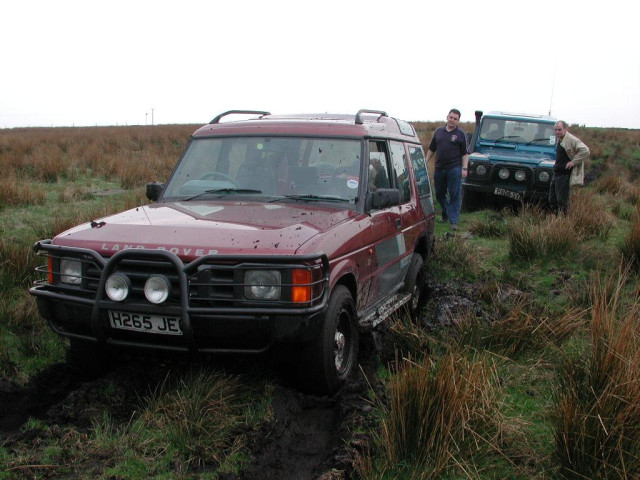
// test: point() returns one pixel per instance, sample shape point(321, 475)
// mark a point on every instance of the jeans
point(559, 193)
point(448, 185)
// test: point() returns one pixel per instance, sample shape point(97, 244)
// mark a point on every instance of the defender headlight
point(503, 173)
point(481, 170)
point(157, 289)
point(117, 287)
point(70, 271)
point(544, 176)
point(262, 284)
point(520, 175)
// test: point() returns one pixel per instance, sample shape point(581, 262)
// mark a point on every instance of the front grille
point(211, 282)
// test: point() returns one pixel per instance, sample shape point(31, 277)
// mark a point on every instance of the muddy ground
point(309, 438)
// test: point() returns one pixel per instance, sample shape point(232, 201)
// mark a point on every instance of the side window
point(400, 171)
point(420, 170)
point(378, 168)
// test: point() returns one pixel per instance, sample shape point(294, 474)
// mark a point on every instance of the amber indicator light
point(301, 291)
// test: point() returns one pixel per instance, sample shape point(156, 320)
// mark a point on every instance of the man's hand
point(569, 165)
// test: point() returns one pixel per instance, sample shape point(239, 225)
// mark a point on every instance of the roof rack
point(359, 120)
point(229, 112)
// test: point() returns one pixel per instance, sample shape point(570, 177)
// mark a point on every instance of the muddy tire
point(333, 355)
point(415, 284)
point(90, 359)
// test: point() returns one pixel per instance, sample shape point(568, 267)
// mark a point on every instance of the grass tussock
point(521, 326)
point(618, 185)
point(195, 417)
point(589, 216)
point(17, 265)
point(453, 255)
point(597, 410)
point(435, 410)
point(493, 226)
point(16, 193)
point(533, 235)
point(630, 246)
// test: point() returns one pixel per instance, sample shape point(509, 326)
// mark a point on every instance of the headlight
point(117, 287)
point(520, 175)
point(503, 173)
point(481, 170)
point(157, 289)
point(543, 176)
point(70, 271)
point(262, 284)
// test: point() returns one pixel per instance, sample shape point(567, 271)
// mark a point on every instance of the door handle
point(398, 223)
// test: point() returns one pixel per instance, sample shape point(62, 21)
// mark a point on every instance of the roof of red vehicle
point(363, 124)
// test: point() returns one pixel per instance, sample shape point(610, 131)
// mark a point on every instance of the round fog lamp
point(520, 175)
point(156, 289)
point(503, 173)
point(117, 287)
point(543, 176)
point(481, 170)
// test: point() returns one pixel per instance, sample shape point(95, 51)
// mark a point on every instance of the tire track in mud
point(45, 390)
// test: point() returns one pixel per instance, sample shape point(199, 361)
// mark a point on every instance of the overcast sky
point(119, 62)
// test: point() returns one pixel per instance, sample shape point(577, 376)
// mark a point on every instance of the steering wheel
point(219, 175)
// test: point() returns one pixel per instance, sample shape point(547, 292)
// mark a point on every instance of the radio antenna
point(553, 85)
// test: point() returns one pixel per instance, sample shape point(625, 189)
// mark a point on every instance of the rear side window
point(400, 168)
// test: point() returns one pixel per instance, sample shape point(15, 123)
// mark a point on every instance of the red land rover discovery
point(271, 230)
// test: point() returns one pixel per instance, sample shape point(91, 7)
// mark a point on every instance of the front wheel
point(333, 354)
point(415, 284)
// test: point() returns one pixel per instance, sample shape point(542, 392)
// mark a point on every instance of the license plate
point(508, 193)
point(145, 323)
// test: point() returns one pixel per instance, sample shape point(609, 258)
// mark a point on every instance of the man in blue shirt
point(449, 143)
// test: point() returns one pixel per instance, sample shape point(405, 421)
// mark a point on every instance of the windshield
point(292, 168)
point(517, 131)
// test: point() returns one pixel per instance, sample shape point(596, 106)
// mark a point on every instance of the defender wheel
point(334, 352)
point(415, 284)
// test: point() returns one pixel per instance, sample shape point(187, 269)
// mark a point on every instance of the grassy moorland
point(536, 375)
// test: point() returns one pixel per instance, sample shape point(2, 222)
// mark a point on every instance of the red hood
point(193, 229)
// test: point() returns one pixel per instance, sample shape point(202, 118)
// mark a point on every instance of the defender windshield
point(517, 131)
point(294, 168)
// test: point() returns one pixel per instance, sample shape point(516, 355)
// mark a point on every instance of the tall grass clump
point(520, 326)
point(17, 264)
point(189, 420)
point(589, 215)
point(14, 192)
point(597, 406)
point(535, 235)
point(435, 411)
point(630, 246)
point(493, 226)
point(453, 257)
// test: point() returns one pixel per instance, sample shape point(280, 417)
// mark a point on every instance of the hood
point(529, 157)
point(193, 229)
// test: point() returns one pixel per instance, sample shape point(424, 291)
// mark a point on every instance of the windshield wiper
point(506, 136)
point(537, 140)
point(223, 190)
point(317, 197)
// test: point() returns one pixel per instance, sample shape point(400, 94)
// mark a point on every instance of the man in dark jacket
point(449, 143)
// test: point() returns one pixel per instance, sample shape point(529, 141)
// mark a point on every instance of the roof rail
point(359, 120)
point(229, 112)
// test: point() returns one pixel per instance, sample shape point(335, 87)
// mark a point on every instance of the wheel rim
point(415, 294)
point(341, 343)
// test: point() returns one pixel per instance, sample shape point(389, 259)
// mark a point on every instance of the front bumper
point(206, 298)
